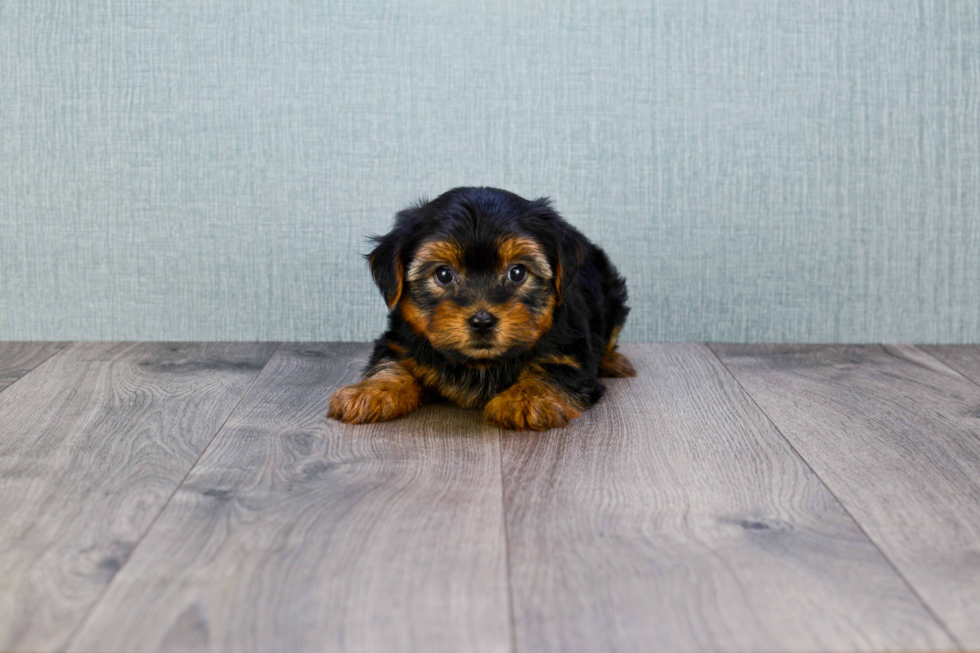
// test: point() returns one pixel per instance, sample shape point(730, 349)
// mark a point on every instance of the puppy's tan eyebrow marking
point(435, 251)
point(514, 249)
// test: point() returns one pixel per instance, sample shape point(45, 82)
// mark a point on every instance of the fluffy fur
point(549, 326)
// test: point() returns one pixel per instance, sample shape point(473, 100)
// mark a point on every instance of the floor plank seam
point(503, 508)
point(915, 592)
point(95, 604)
point(33, 369)
point(963, 374)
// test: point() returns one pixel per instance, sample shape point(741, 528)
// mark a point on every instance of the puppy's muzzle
point(482, 323)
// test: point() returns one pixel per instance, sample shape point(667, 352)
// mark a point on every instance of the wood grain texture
point(92, 444)
point(298, 533)
point(674, 517)
point(19, 358)
point(965, 359)
point(895, 435)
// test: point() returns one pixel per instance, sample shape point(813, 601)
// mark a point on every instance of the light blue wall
point(760, 170)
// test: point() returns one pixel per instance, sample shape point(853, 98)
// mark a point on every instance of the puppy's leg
point(547, 395)
point(613, 364)
point(387, 391)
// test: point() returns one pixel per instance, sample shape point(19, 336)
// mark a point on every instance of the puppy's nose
point(482, 322)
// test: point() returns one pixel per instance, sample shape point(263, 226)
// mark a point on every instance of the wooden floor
point(163, 496)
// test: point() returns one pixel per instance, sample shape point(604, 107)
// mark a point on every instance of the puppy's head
point(478, 272)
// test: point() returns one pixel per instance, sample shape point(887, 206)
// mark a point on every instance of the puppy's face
point(479, 299)
point(478, 280)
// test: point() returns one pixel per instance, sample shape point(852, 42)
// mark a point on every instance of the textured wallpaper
point(759, 170)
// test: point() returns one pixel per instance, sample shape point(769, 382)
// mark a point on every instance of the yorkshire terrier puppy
point(495, 302)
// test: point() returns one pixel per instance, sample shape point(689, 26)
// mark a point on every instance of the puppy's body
point(495, 302)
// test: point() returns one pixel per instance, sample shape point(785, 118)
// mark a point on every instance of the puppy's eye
point(517, 274)
point(444, 275)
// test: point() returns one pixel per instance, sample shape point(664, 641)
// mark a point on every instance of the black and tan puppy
point(495, 302)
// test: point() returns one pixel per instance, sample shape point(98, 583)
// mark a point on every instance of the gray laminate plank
point(894, 434)
point(674, 517)
point(92, 444)
point(298, 533)
point(19, 358)
point(965, 359)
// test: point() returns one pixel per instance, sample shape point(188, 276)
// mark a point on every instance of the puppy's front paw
point(386, 395)
point(535, 406)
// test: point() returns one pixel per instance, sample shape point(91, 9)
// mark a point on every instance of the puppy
point(495, 302)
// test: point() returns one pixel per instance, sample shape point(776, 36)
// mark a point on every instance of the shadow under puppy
point(495, 302)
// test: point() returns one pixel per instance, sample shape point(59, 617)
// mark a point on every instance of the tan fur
point(387, 392)
point(613, 338)
point(531, 403)
point(435, 252)
point(427, 376)
point(571, 361)
point(613, 364)
point(520, 249)
point(518, 325)
point(446, 327)
point(395, 347)
point(414, 316)
point(558, 281)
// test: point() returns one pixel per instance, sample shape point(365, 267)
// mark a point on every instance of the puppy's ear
point(387, 267)
point(568, 245)
point(571, 253)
